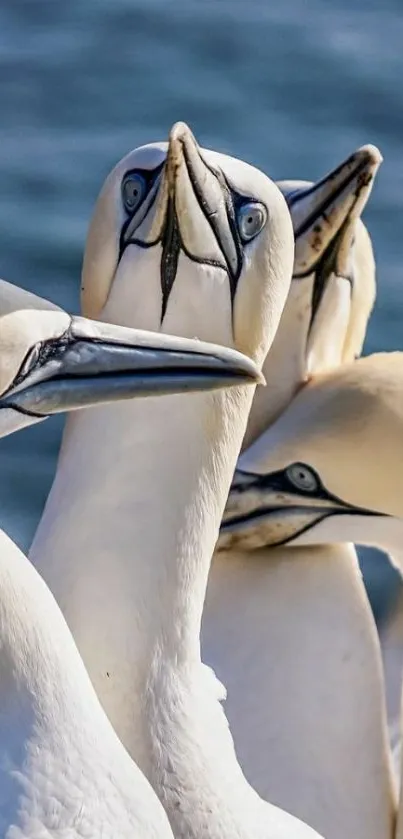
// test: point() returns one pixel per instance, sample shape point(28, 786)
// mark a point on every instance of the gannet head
point(330, 469)
point(52, 362)
point(333, 289)
point(192, 242)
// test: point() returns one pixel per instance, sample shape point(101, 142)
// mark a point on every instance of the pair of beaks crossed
point(77, 362)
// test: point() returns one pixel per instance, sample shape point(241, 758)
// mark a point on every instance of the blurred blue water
point(291, 87)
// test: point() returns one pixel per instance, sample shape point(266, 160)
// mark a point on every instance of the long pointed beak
point(94, 363)
point(186, 171)
point(329, 209)
point(265, 510)
point(197, 212)
point(189, 211)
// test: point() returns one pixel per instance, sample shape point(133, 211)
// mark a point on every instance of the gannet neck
point(159, 521)
point(290, 633)
point(140, 556)
point(203, 245)
point(166, 514)
point(63, 770)
point(363, 293)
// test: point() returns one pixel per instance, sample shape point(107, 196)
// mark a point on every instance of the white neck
point(290, 633)
point(312, 350)
point(62, 767)
point(284, 367)
point(125, 543)
point(131, 522)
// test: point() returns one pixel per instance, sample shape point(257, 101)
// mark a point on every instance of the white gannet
point(305, 683)
point(333, 288)
point(322, 325)
point(202, 244)
point(63, 770)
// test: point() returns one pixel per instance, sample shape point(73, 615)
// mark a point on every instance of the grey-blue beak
point(92, 363)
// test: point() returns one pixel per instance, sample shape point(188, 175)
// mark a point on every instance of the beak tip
point(371, 154)
point(246, 368)
point(254, 374)
point(179, 131)
point(180, 137)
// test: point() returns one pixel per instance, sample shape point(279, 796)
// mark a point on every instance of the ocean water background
point(291, 87)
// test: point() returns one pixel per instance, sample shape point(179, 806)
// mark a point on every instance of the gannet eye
point(302, 477)
point(134, 188)
point(251, 219)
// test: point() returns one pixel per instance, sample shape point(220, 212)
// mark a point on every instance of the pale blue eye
point(134, 188)
point(302, 477)
point(251, 219)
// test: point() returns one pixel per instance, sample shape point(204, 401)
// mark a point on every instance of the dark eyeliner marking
point(170, 237)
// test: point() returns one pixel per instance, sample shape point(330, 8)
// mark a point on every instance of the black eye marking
point(143, 180)
point(38, 355)
point(297, 479)
point(136, 184)
point(136, 187)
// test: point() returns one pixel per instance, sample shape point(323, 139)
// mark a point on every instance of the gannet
point(196, 243)
point(333, 289)
point(305, 684)
point(322, 325)
point(63, 770)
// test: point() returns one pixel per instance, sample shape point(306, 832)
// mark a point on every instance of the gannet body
point(304, 683)
point(327, 472)
point(63, 770)
point(201, 244)
point(333, 288)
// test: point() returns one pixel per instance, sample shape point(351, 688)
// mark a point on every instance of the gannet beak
point(95, 362)
point(326, 212)
point(189, 211)
point(194, 183)
point(269, 510)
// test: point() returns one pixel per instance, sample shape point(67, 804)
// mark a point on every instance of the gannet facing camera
point(187, 220)
point(333, 287)
point(196, 243)
point(63, 770)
